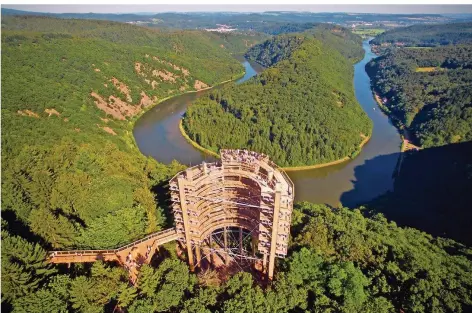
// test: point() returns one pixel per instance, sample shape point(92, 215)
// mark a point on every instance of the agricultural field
point(427, 69)
point(368, 32)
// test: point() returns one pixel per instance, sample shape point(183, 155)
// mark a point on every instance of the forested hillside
point(239, 42)
point(341, 39)
point(428, 90)
point(272, 51)
point(339, 261)
point(300, 111)
point(427, 35)
point(71, 172)
point(192, 43)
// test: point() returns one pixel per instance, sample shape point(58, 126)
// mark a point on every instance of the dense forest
point(428, 91)
point(239, 42)
point(300, 111)
point(339, 261)
point(209, 42)
point(427, 35)
point(71, 172)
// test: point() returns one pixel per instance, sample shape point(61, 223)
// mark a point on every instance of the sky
point(441, 9)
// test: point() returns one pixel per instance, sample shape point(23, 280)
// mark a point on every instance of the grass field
point(368, 32)
point(418, 47)
point(427, 69)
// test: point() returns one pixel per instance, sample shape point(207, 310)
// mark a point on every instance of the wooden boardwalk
point(131, 256)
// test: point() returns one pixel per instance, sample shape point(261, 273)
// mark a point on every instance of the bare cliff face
point(155, 74)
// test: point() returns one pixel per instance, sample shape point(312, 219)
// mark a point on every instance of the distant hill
point(300, 111)
point(344, 41)
point(94, 16)
point(268, 22)
point(427, 35)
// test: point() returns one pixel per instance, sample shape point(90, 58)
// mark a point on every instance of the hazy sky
point(244, 8)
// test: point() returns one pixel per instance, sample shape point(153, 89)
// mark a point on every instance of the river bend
point(369, 175)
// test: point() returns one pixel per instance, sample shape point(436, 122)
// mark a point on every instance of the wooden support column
point(254, 243)
point(225, 237)
point(275, 229)
point(211, 250)
point(264, 263)
point(241, 241)
point(183, 205)
point(223, 176)
point(198, 255)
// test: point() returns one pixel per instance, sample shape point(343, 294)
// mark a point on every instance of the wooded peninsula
point(301, 110)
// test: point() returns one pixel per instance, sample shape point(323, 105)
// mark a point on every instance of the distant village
point(222, 28)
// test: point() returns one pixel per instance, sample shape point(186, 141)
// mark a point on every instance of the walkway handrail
point(160, 234)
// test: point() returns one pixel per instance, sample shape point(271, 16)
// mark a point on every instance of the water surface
point(157, 132)
point(370, 173)
point(367, 176)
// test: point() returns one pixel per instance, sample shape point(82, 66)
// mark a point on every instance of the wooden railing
point(163, 236)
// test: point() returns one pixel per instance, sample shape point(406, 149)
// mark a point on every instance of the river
point(364, 178)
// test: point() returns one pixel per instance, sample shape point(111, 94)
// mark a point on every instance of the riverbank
point(193, 143)
point(137, 116)
point(402, 130)
point(287, 169)
point(132, 122)
point(315, 166)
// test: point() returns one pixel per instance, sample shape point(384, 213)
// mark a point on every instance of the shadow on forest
point(432, 191)
point(16, 227)
point(162, 197)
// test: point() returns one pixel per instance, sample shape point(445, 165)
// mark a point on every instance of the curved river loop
point(351, 183)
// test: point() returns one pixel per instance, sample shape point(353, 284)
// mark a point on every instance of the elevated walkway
point(132, 256)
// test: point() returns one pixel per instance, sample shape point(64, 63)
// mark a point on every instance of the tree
point(24, 267)
point(43, 300)
point(243, 295)
point(116, 229)
point(201, 302)
point(106, 283)
point(166, 285)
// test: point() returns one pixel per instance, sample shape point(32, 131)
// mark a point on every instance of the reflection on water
point(157, 134)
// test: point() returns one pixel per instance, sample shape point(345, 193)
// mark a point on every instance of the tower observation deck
point(237, 209)
point(244, 192)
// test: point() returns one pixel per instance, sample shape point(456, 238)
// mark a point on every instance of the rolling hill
point(70, 92)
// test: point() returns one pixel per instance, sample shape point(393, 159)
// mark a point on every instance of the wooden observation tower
point(237, 210)
point(245, 198)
